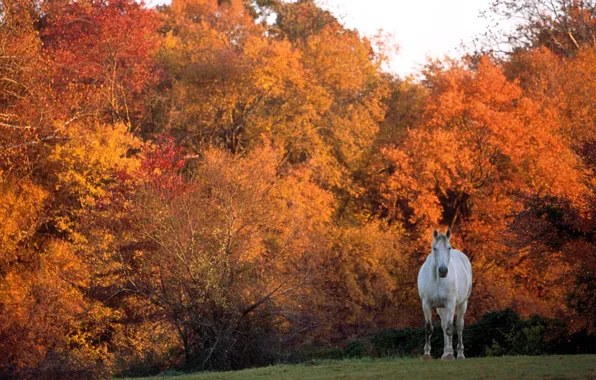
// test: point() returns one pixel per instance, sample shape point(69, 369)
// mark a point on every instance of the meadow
point(510, 367)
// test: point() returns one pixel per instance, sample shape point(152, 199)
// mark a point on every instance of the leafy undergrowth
point(517, 367)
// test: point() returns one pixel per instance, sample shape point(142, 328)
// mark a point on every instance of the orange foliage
point(558, 229)
point(481, 150)
point(202, 187)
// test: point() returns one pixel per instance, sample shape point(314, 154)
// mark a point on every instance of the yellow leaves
point(89, 161)
point(62, 262)
point(320, 100)
point(14, 290)
point(272, 65)
point(340, 61)
point(93, 143)
point(246, 228)
point(363, 271)
point(253, 207)
point(45, 308)
point(305, 200)
point(21, 205)
point(170, 42)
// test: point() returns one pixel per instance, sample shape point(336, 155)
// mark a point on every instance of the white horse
point(445, 283)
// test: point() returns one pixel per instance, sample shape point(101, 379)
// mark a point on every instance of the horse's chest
point(439, 302)
point(440, 298)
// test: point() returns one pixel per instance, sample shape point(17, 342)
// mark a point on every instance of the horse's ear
point(435, 233)
point(448, 233)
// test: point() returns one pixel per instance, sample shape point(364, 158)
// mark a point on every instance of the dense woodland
point(209, 184)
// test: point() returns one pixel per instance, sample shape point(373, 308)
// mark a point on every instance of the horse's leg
point(428, 328)
point(461, 311)
point(446, 315)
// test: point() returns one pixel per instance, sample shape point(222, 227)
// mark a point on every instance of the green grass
point(512, 367)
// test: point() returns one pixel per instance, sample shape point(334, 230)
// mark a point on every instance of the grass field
point(520, 367)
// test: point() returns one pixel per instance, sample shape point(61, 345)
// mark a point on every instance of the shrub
point(355, 349)
point(510, 335)
point(316, 353)
point(528, 339)
point(392, 342)
point(489, 335)
point(496, 333)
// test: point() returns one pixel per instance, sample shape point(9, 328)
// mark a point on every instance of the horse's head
point(441, 251)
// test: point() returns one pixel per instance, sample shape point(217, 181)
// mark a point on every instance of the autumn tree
point(53, 323)
point(482, 149)
point(563, 26)
point(300, 93)
point(102, 53)
point(299, 20)
point(219, 259)
point(229, 87)
point(559, 227)
point(24, 124)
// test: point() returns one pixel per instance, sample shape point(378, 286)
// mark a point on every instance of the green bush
point(355, 349)
point(510, 335)
point(392, 342)
point(317, 353)
point(528, 341)
point(496, 333)
point(490, 334)
point(171, 373)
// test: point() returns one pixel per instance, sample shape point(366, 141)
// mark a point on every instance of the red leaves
point(161, 168)
point(103, 54)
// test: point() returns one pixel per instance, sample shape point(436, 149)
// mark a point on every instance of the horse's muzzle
point(443, 271)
